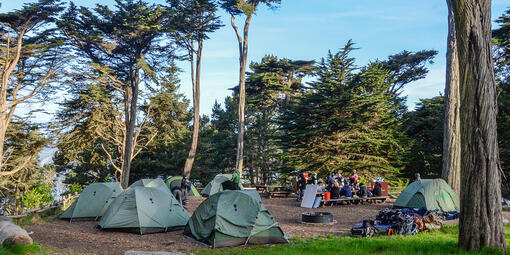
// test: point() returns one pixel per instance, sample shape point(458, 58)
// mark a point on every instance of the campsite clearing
point(82, 237)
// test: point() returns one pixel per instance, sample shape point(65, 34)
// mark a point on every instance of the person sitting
point(320, 187)
point(363, 191)
point(335, 190)
point(346, 191)
point(353, 179)
point(377, 190)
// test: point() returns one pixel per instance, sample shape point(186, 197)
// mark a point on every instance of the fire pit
point(317, 217)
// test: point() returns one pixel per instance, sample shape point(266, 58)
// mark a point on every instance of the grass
point(23, 249)
point(443, 241)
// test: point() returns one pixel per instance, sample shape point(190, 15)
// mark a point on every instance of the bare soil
point(82, 237)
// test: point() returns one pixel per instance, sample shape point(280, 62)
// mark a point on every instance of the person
point(335, 190)
point(177, 192)
point(236, 179)
point(346, 190)
point(354, 179)
point(320, 187)
point(363, 191)
point(185, 186)
point(340, 179)
point(301, 186)
point(315, 179)
point(377, 190)
point(417, 177)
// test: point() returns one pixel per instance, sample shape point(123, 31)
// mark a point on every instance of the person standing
point(185, 186)
point(236, 179)
point(315, 179)
point(417, 177)
point(301, 186)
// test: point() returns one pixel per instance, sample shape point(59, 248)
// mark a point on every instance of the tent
point(93, 200)
point(218, 184)
point(147, 205)
point(175, 181)
point(431, 194)
point(234, 217)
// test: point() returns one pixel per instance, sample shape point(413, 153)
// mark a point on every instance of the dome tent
point(431, 194)
point(218, 184)
point(93, 201)
point(175, 181)
point(147, 205)
point(234, 217)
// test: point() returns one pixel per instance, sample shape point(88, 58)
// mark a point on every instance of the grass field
point(442, 241)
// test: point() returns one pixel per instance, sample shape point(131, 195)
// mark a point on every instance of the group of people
point(338, 186)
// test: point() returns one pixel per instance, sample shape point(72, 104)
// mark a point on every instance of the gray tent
point(148, 206)
point(93, 200)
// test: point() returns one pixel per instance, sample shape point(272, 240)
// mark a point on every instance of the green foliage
point(75, 188)
point(38, 196)
point(424, 128)
point(442, 241)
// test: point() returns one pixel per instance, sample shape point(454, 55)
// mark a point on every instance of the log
point(12, 234)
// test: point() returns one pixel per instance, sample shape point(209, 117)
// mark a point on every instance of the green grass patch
point(443, 241)
point(23, 249)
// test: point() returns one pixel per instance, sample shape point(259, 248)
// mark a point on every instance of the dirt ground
point(82, 237)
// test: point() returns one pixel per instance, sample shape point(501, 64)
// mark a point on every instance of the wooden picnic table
point(272, 190)
point(353, 200)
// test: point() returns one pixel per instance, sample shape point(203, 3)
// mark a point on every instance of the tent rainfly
point(431, 194)
point(93, 201)
point(234, 217)
point(148, 206)
point(220, 183)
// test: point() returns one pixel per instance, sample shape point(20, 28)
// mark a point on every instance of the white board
point(309, 197)
point(317, 202)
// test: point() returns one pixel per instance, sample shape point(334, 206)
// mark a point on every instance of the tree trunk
point(451, 140)
point(196, 112)
point(481, 221)
point(243, 55)
point(130, 131)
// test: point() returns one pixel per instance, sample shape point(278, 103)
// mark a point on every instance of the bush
point(75, 188)
point(38, 197)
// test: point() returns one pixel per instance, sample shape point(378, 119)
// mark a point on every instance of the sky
point(306, 30)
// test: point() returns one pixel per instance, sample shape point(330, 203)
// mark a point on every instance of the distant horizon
point(304, 31)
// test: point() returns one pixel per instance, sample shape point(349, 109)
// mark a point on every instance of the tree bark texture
point(243, 55)
point(481, 220)
point(451, 140)
point(130, 121)
point(196, 111)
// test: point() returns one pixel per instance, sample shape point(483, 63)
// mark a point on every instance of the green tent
point(175, 181)
point(430, 194)
point(234, 217)
point(218, 184)
point(93, 200)
point(146, 205)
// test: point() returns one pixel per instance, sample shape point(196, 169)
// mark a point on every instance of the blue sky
point(303, 29)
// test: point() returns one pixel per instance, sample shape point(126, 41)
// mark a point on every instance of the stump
point(12, 234)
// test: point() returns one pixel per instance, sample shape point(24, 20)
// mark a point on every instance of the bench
point(354, 200)
point(272, 191)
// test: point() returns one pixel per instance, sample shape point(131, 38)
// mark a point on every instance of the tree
point(195, 20)
point(481, 220)
point(30, 63)
point(451, 141)
point(423, 127)
point(122, 46)
point(246, 8)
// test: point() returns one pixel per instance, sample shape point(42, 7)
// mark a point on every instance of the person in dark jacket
point(377, 190)
point(301, 186)
point(363, 191)
point(346, 191)
point(335, 191)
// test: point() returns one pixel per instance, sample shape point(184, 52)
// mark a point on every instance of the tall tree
point(121, 45)
point(451, 141)
point(30, 63)
point(195, 19)
point(481, 220)
point(246, 8)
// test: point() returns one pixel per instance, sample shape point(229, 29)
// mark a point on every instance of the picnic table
point(353, 200)
point(272, 191)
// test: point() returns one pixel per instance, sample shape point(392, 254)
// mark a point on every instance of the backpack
point(366, 230)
